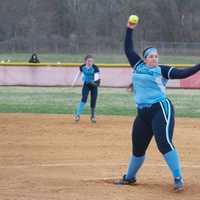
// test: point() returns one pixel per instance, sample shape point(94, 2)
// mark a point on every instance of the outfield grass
point(111, 101)
point(99, 58)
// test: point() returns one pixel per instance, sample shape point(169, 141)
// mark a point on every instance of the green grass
point(111, 101)
point(99, 58)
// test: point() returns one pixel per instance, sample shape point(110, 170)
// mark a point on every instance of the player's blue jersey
point(149, 84)
point(88, 72)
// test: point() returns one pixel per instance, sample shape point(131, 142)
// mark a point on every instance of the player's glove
point(94, 83)
point(98, 82)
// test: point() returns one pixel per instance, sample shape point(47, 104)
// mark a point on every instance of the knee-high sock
point(173, 163)
point(134, 165)
point(80, 108)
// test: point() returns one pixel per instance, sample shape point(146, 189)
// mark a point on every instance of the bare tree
point(94, 26)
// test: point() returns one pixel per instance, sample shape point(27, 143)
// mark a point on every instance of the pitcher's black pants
point(157, 121)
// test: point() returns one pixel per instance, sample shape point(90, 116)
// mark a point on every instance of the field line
point(82, 164)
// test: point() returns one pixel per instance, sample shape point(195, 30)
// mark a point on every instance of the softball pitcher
point(155, 112)
point(91, 81)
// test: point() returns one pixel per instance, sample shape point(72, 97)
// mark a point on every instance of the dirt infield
point(50, 157)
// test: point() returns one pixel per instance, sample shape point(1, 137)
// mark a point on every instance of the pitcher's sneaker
point(125, 181)
point(178, 184)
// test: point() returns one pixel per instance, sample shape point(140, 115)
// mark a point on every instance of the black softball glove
point(94, 83)
point(97, 82)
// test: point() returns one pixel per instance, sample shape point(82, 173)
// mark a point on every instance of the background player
point(91, 81)
point(155, 112)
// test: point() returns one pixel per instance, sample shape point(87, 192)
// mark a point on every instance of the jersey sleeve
point(96, 69)
point(184, 73)
point(165, 71)
point(132, 56)
point(175, 73)
point(81, 68)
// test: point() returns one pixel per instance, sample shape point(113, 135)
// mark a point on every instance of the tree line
point(74, 26)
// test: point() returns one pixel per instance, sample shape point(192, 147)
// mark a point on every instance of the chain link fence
point(173, 48)
point(56, 44)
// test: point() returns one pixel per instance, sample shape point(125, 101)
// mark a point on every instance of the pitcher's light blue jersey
point(149, 84)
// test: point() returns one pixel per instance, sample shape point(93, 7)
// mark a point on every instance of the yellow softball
point(133, 19)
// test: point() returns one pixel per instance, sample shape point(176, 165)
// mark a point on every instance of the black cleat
point(125, 181)
point(178, 184)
